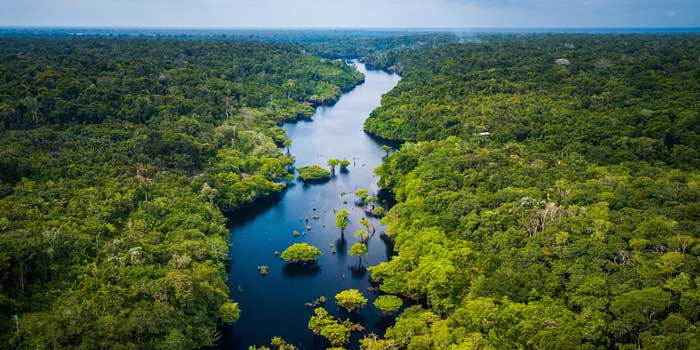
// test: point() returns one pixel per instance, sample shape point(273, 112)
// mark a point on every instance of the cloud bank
point(359, 13)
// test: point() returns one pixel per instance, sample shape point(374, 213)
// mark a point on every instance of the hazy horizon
point(359, 14)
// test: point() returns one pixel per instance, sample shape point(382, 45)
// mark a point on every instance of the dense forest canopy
point(549, 193)
point(548, 185)
point(117, 157)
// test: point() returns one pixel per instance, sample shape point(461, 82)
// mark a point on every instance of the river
point(273, 305)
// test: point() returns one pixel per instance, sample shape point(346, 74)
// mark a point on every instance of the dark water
point(273, 305)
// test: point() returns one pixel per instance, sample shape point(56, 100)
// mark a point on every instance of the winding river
point(274, 305)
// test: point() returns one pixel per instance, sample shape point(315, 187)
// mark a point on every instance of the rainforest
point(349, 189)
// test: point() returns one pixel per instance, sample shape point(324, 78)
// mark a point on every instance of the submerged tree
point(300, 253)
point(324, 324)
point(359, 250)
point(229, 312)
point(351, 300)
point(344, 164)
point(342, 221)
point(362, 235)
point(333, 163)
point(364, 222)
point(362, 194)
point(388, 304)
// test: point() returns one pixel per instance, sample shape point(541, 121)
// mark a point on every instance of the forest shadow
point(247, 213)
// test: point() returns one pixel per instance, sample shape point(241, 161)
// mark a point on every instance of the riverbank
point(274, 305)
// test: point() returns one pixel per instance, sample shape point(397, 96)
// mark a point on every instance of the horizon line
point(196, 27)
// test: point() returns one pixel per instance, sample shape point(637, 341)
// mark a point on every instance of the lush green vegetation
point(359, 249)
point(313, 173)
point(116, 159)
point(342, 220)
point(388, 304)
point(300, 253)
point(351, 300)
point(335, 331)
point(549, 205)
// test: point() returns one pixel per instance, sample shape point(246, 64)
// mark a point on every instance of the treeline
point(552, 199)
point(116, 159)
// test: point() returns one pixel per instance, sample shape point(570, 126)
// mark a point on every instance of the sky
point(351, 14)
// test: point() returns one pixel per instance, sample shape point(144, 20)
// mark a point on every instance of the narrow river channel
point(274, 305)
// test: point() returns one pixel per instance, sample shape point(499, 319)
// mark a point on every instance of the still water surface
point(273, 305)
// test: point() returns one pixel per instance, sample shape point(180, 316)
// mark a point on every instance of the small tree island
point(313, 173)
point(351, 300)
point(300, 253)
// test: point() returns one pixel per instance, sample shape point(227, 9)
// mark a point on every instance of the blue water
point(273, 305)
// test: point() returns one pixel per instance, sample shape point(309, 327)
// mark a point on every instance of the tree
point(637, 309)
point(33, 105)
point(333, 163)
point(338, 333)
point(379, 212)
point(230, 312)
point(208, 192)
point(351, 300)
point(388, 304)
point(362, 194)
point(313, 173)
point(344, 164)
point(341, 220)
point(362, 235)
point(364, 222)
point(300, 253)
point(359, 250)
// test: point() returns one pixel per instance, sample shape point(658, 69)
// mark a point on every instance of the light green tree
point(359, 250)
point(333, 163)
point(362, 235)
point(351, 300)
point(388, 304)
point(342, 221)
point(300, 253)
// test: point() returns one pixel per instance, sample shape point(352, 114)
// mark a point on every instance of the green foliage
point(379, 212)
point(333, 163)
point(351, 299)
point(619, 99)
point(341, 220)
point(573, 224)
point(362, 194)
point(277, 343)
point(324, 324)
point(362, 235)
point(229, 312)
point(344, 163)
point(359, 250)
point(388, 304)
point(300, 253)
point(117, 157)
point(313, 173)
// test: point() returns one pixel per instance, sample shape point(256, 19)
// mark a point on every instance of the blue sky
point(358, 13)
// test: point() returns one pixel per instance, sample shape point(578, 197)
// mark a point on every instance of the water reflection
point(276, 304)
